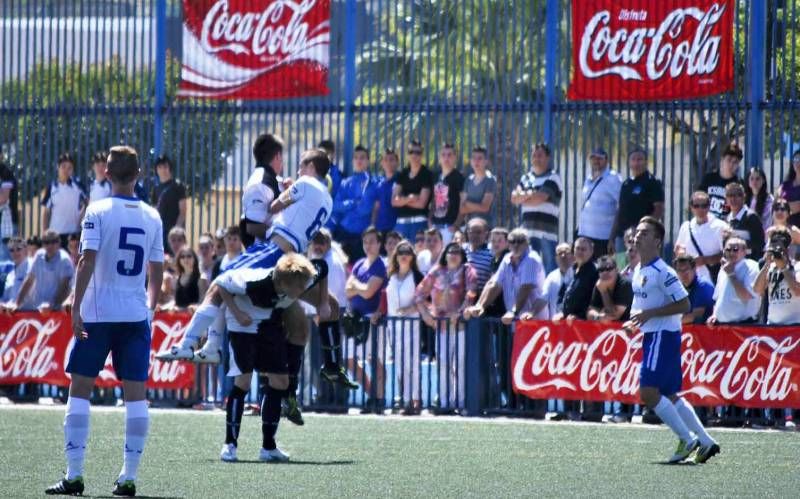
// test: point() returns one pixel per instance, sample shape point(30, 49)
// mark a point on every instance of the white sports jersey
point(310, 209)
point(261, 189)
point(127, 234)
point(235, 282)
point(656, 285)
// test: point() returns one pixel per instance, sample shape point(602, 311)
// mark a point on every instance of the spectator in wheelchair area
point(701, 291)
point(363, 290)
point(736, 302)
point(612, 295)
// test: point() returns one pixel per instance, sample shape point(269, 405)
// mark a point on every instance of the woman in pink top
point(451, 286)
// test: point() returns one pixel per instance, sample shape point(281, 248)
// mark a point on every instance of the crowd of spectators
point(421, 243)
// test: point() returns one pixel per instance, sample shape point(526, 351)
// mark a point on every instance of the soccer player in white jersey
point(659, 300)
point(121, 246)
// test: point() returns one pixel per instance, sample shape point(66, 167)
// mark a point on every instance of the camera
point(775, 251)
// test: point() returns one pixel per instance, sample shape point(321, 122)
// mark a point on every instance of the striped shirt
point(511, 277)
point(599, 202)
point(541, 221)
point(65, 202)
point(481, 261)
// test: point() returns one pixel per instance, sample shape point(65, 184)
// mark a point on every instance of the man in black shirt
point(714, 183)
point(446, 198)
point(612, 295)
point(641, 194)
point(579, 293)
point(169, 197)
point(744, 222)
point(411, 194)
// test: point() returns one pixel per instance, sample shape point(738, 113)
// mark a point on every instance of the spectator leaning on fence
point(780, 279)
point(790, 189)
point(169, 196)
point(478, 253)
point(48, 278)
point(757, 196)
point(701, 291)
point(15, 278)
point(446, 198)
point(64, 200)
point(101, 186)
point(557, 281)
point(480, 189)
point(353, 205)
point(735, 300)
point(701, 237)
point(599, 202)
point(539, 194)
point(641, 195)
point(714, 183)
point(612, 295)
point(744, 223)
point(411, 193)
point(578, 295)
point(384, 215)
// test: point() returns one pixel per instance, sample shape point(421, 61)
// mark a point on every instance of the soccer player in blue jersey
point(121, 250)
point(659, 300)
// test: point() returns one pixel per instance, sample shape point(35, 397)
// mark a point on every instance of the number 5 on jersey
point(126, 244)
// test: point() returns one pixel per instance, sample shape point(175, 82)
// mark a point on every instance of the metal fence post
point(476, 367)
point(350, 19)
point(756, 67)
point(550, 67)
point(161, 77)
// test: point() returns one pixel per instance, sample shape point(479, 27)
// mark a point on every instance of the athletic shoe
point(66, 487)
point(273, 456)
point(706, 452)
point(291, 411)
point(790, 425)
point(338, 376)
point(176, 352)
point(684, 450)
point(204, 356)
point(228, 453)
point(126, 488)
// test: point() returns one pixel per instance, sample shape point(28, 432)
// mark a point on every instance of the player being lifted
point(659, 300)
point(121, 245)
point(253, 300)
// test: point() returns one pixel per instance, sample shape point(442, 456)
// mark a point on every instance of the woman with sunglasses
point(790, 189)
point(403, 329)
point(757, 196)
point(781, 220)
point(451, 286)
point(189, 287)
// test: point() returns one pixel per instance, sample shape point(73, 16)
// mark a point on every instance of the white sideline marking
point(397, 417)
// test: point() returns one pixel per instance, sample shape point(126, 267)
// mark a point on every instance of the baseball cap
point(599, 151)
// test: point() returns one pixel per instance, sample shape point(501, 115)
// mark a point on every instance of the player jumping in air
point(659, 299)
point(121, 249)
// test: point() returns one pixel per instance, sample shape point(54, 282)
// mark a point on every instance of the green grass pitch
point(353, 456)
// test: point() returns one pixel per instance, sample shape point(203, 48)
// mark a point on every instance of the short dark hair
point(34, 241)
point(684, 258)
point(267, 146)
point(734, 150)
point(372, 230)
point(99, 157)
point(75, 236)
point(606, 260)
point(328, 145)
point(414, 143)
point(447, 145)
point(443, 256)
point(637, 150)
point(389, 151)
point(123, 164)
point(656, 225)
point(781, 236)
point(360, 148)
point(165, 160)
point(233, 230)
point(433, 231)
point(392, 234)
point(66, 157)
point(544, 147)
point(319, 158)
point(480, 149)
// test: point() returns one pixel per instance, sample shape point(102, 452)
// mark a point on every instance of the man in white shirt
point(101, 186)
point(557, 281)
point(736, 300)
point(599, 202)
point(701, 237)
point(63, 201)
point(121, 252)
point(46, 285)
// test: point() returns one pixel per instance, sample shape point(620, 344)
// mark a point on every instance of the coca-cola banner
point(632, 50)
point(255, 49)
point(743, 366)
point(35, 348)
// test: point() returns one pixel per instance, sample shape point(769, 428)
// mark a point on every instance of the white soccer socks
point(669, 415)
point(203, 317)
point(215, 332)
point(690, 419)
point(76, 434)
point(137, 423)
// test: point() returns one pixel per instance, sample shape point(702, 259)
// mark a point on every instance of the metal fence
point(86, 74)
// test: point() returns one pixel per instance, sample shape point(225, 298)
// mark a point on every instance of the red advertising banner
point(255, 49)
point(743, 366)
point(640, 50)
point(35, 348)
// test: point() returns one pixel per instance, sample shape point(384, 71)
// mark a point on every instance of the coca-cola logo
point(756, 370)
point(668, 48)
point(24, 349)
point(161, 371)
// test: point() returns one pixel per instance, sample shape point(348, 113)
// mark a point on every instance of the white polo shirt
point(728, 306)
point(65, 201)
point(599, 204)
point(708, 237)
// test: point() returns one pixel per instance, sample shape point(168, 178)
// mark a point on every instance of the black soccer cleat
point(291, 411)
point(66, 487)
point(126, 488)
point(338, 375)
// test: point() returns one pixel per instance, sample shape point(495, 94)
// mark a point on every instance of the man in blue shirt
point(353, 205)
point(701, 291)
point(384, 215)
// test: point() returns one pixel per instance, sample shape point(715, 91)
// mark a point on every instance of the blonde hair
point(294, 268)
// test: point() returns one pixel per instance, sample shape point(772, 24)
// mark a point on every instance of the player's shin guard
point(690, 419)
point(294, 359)
point(270, 416)
point(76, 433)
point(331, 342)
point(233, 415)
point(137, 424)
point(203, 317)
point(669, 415)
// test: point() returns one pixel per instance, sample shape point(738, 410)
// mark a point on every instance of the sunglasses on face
point(186, 257)
point(733, 249)
point(517, 241)
point(606, 269)
point(405, 252)
point(780, 208)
